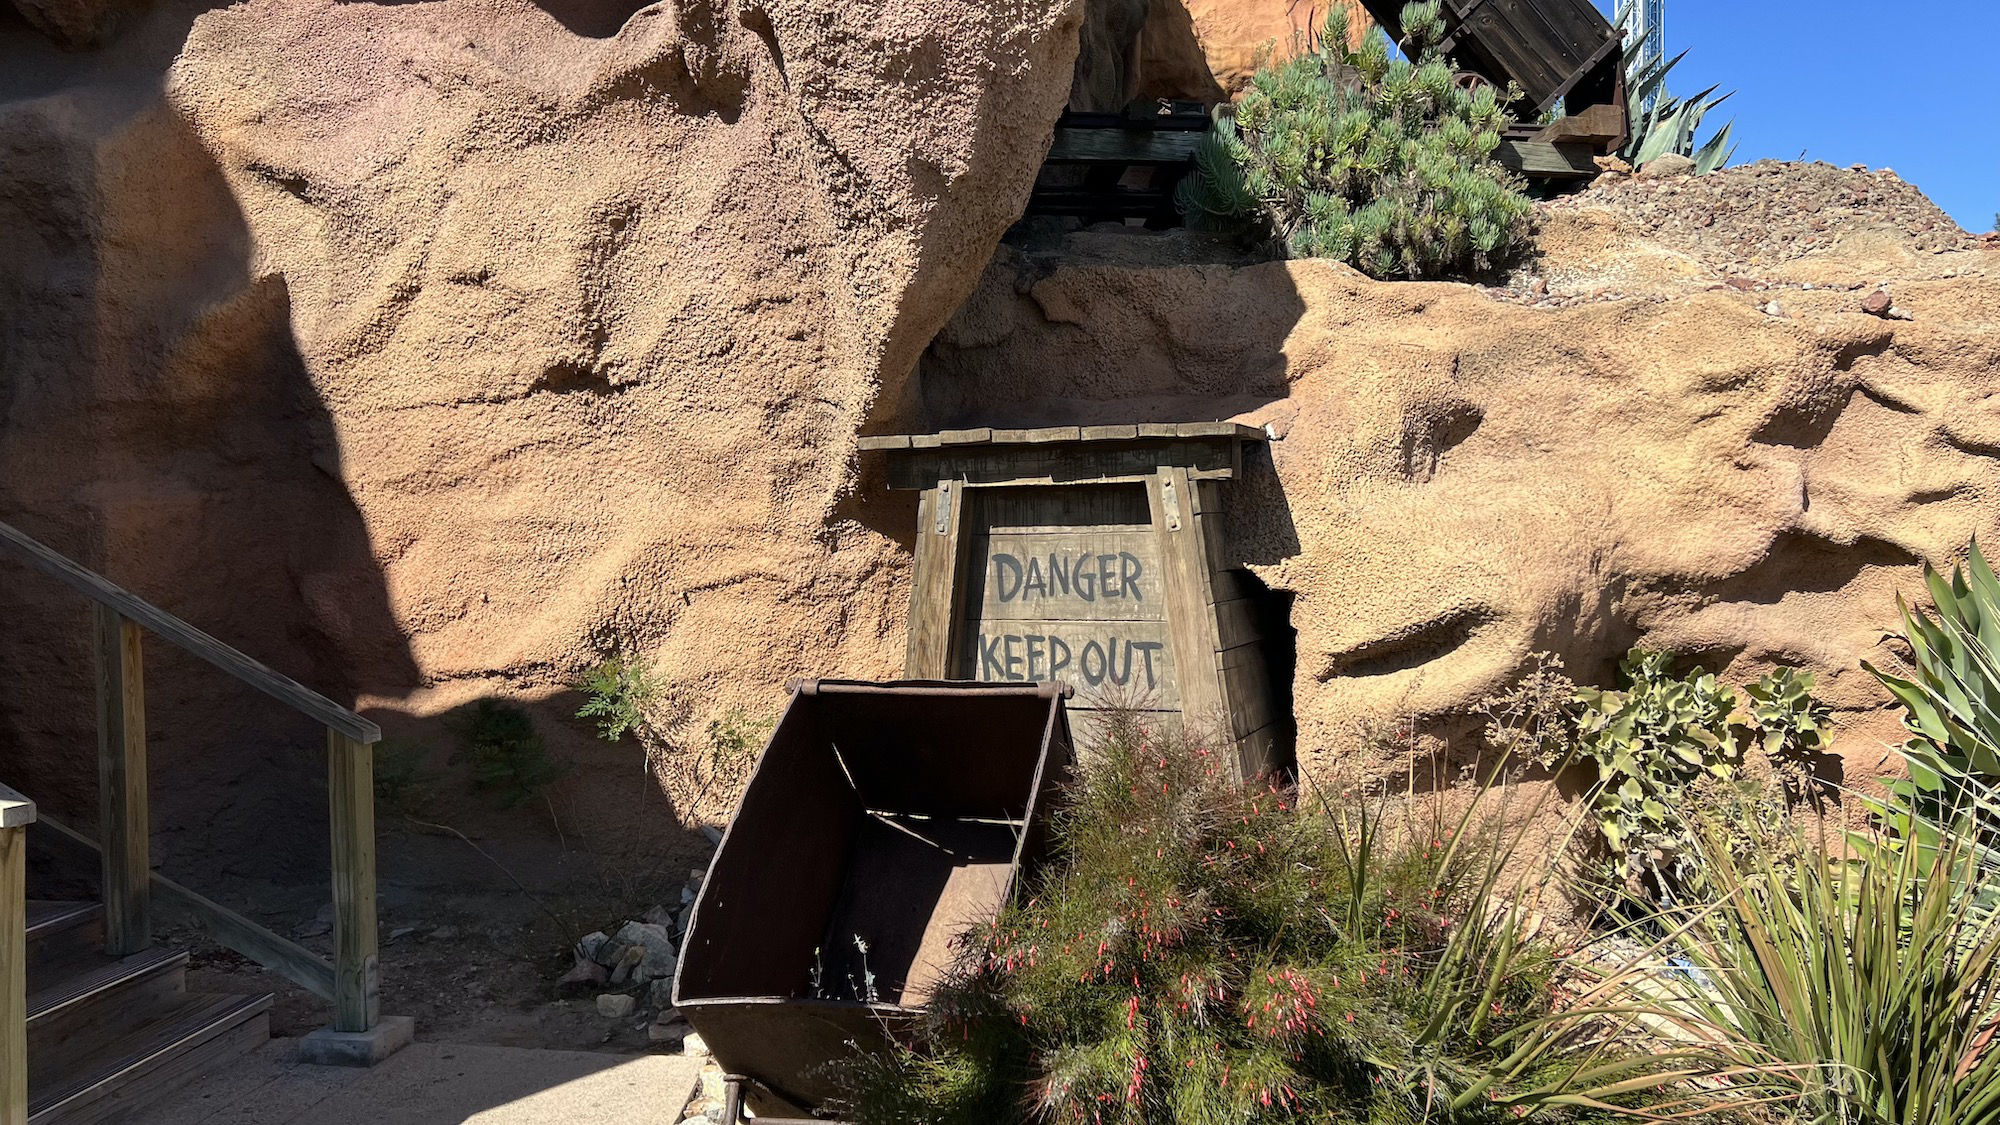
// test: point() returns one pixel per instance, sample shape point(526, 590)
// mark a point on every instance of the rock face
point(1237, 36)
point(1192, 50)
point(1470, 475)
point(426, 351)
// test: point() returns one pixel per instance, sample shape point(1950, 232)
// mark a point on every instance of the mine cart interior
point(882, 822)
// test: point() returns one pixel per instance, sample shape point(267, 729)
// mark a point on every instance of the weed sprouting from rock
point(619, 691)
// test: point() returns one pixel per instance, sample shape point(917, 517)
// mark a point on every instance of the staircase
point(94, 1019)
point(106, 1034)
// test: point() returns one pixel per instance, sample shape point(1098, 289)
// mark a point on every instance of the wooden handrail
point(16, 813)
point(283, 956)
point(274, 684)
point(351, 983)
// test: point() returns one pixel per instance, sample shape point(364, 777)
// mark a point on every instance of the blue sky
point(1913, 86)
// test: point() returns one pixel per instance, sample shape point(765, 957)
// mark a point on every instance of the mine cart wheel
point(1472, 83)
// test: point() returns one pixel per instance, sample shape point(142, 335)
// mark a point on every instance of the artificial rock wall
point(430, 351)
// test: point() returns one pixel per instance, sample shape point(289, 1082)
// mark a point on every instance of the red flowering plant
point(1210, 952)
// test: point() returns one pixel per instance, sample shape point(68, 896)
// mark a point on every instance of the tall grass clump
point(1208, 952)
point(1366, 157)
point(1867, 986)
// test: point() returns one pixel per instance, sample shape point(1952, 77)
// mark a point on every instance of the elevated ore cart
point(1564, 55)
point(881, 822)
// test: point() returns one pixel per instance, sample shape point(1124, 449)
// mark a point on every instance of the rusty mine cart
point(881, 823)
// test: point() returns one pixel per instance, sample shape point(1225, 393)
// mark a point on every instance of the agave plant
point(1670, 125)
point(1952, 699)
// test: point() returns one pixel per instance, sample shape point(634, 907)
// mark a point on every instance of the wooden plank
point(887, 441)
point(282, 688)
point(1083, 574)
point(1110, 664)
point(1237, 623)
point(935, 588)
point(293, 961)
point(351, 799)
point(287, 958)
point(1540, 158)
point(1100, 456)
point(14, 972)
point(124, 823)
point(1105, 507)
point(1597, 126)
point(16, 811)
point(1184, 558)
point(1246, 683)
point(1230, 586)
point(1043, 436)
point(1110, 433)
point(1123, 146)
point(1257, 752)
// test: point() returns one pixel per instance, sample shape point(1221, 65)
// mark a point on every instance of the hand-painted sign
point(1055, 598)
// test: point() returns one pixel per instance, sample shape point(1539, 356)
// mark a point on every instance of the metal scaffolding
point(1644, 25)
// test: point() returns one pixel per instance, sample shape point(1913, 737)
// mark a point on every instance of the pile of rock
point(1768, 212)
point(631, 969)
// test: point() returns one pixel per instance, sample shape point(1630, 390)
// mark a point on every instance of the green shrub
point(505, 752)
point(1209, 953)
point(1653, 743)
point(1666, 743)
point(619, 693)
point(1790, 723)
point(734, 740)
point(403, 777)
point(1858, 991)
point(1369, 159)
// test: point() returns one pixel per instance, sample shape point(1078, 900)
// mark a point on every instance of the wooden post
point(16, 813)
point(935, 586)
point(351, 798)
point(123, 821)
point(1184, 558)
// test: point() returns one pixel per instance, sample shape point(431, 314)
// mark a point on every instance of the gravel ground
point(1768, 212)
point(1733, 227)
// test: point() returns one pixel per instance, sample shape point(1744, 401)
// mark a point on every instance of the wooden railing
point(16, 813)
point(350, 982)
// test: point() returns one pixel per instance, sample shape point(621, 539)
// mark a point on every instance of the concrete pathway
point(436, 1084)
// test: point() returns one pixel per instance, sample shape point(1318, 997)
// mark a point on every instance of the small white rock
point(615, 1005)
point(693, 1044)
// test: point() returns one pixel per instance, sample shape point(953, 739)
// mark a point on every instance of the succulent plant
point(1365, 157)
point(1670, 124)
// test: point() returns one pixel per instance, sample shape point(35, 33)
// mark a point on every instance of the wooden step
point(161, 1053)
point(96, 1004)
point(62, 932)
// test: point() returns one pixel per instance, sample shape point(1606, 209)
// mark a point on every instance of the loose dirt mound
point(1767, 222)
